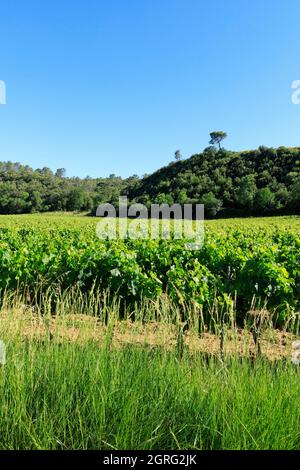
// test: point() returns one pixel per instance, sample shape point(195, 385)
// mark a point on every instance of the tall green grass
point(89, 394)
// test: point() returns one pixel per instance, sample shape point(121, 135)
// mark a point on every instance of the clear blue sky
point(115, 86)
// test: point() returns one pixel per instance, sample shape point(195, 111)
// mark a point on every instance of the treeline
point(263, 181)
point(24, 190)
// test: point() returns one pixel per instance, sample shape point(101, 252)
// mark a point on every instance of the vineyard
point(243, 263)
point(145, 344)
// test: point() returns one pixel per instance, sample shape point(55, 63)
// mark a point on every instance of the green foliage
point(241, 260)
point(265, 199)
point(295, 193)
point(216, 137)
point(260, 182)
point(263, 181)
point(24, 190)
point(178, 155)
point(246, 191)
point(211, 203)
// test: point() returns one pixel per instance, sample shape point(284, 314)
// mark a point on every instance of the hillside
point(261, 181)
point(258, 182)
point(24, 190)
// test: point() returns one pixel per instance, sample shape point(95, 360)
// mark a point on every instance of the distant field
point(72, 220)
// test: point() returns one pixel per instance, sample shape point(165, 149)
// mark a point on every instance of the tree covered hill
point(24, 190)
point(261, 181)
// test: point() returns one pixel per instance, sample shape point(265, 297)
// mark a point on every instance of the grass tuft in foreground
point(74, 382)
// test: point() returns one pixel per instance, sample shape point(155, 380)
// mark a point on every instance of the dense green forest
point(24, 190)
point(262, 181)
